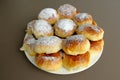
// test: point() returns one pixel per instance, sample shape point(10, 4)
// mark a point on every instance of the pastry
point(28, 45)
point(66, 11)
point(49, 62)
point(64, 39)
point(42, 28)
point(48, 44)
point(93, 33)
point(76, 44)
point(94, 23)
point(64, 28)
point(48, 14)
point(96, 46)
point(74, 62)
point(83, 18)
point(30, 26)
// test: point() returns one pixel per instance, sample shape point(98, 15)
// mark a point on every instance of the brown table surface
point(15, 14)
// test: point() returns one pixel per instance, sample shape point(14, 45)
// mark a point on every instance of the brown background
point(15, 14)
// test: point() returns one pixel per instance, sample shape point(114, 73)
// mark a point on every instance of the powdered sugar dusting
point(49, 58)
point(66, 24)
point(82, 16)
point(66, 9)
point(30, 24)
point(29, 39)
point(95, 28)
point(42, 27)
point(82, 27)
point(76, 37)
point(48, 13)
point(48, 40)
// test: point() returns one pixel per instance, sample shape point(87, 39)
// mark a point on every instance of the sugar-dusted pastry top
point(48, 13)
point(66, 24)
point(66, 9)
point(42, 28)
point(76, 44)
point(48, 40)
point(92, 32)
point(82, 16)
point(79, 38)
point(29, 39)
point(48, 44)
point(49, 62)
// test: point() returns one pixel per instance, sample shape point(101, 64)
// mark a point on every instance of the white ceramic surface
point(93, 59)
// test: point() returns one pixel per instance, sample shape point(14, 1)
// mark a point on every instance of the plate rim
point(96, 57)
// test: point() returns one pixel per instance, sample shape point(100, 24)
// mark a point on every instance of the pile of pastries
point(63, 38)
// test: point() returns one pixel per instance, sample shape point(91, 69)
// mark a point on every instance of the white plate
point(93, 59)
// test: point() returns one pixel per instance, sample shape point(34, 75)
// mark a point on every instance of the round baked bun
point(48, 14)
point(74, 62)
point(83, 18)
point(66, 11)
point(28, 45)
point(93, 33)
point(48, 45)
point(96, 46)
point(64, 28)
point(42, 28)
point(49, 62)
point(76, 44)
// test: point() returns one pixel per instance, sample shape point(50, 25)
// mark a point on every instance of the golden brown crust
point(71, 62)
point(83, 18)
point(75, 45)
point(94, 23)
point(49, 62)
point(66, 11)
point(49, 44)
point(96, 46)
point(93, 33)
point(51, 20)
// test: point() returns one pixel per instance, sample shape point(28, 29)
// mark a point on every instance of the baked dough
point(49, 14)
point(93, 33)
point(76, 44)
point(49, 62)
point(64, 28)
point(28, 45)
point(83, 18)
point(42, 28)
point(48, 45)
point(66, 11)
point(73, 62)
point(96, 46)
point(30, 26)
